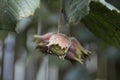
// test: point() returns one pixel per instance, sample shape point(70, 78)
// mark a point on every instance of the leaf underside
point(104, 23)
point(75, 10)
point(99, 19)
point(13, 10)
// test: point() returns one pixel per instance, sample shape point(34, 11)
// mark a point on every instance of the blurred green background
point(20, 60)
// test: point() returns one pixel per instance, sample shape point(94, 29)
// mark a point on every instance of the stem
point(60, 18)
point(39, 27)
point(59, 22)
point(63, 27)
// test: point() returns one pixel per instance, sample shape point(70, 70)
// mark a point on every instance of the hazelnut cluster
point(61, 45)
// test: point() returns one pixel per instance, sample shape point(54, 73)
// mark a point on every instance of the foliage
point(101, 20)
point(104, 23)
point(75, 10)
point(12, 11)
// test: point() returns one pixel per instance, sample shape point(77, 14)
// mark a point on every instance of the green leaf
point(75, 10)
point(11, 11)
point(104, 23)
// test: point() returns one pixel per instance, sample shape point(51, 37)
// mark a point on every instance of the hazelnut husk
point(61, 45)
